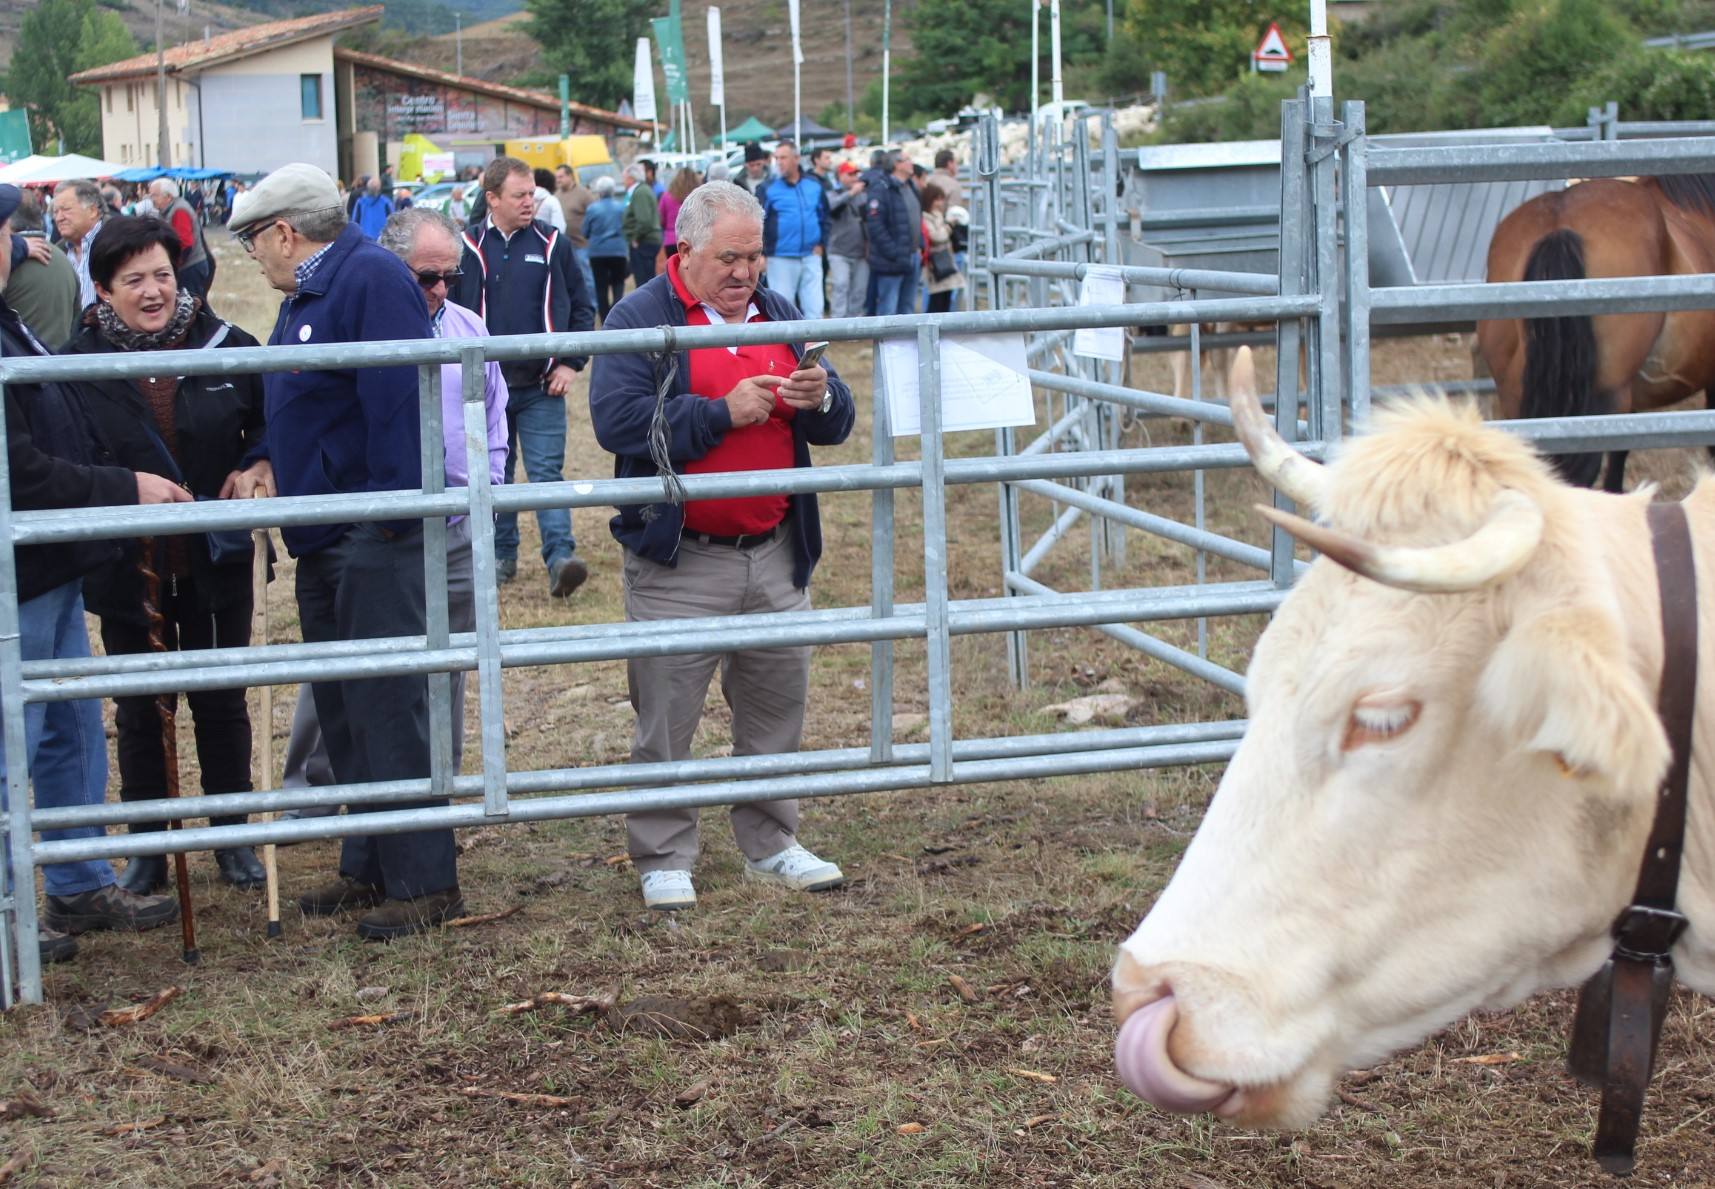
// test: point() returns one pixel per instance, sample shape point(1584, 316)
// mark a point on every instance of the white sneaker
point(667, 891)
point(796, 868)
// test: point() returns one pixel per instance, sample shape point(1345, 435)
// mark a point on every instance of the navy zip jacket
point(352, 429)
point(795, 217)
point(529, 284)
point(622, 405)
point(893, 242)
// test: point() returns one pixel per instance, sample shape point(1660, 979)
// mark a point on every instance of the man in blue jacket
point(49, 458)
point(519, 276)
point(894, 221)
point(353, 430)
point(724, 409)
point(794, 231)
point(371, 211)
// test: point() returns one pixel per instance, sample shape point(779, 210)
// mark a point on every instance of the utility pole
point(458, 42)
point(165, 147)
point(851, 112)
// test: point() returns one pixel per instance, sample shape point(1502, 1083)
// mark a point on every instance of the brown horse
point(1606, 363)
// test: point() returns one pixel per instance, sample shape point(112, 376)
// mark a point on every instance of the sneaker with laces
point(668, 891)
point(110, 907)
point(796, 868)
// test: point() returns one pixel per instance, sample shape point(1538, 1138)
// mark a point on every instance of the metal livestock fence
point(1325, 167)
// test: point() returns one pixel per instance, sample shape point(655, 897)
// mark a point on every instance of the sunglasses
point(429, 280)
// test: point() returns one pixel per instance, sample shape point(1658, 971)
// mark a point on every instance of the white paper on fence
point(985, 383)
point(797, 41)
point(643, 82)
point(717, 67)
point(1103, 286)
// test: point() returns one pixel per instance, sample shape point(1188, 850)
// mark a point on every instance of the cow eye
point(1378, 720)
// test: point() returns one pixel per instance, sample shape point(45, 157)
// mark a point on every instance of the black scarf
point(122, 336)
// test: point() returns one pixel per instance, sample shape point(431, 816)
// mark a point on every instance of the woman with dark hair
point(202, 431)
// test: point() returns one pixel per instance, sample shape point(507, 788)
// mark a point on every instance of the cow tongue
point(1140, 1053)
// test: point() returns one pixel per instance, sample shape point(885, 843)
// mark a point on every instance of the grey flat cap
point(295, 189)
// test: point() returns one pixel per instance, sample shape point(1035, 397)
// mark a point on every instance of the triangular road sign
point(1271, 53)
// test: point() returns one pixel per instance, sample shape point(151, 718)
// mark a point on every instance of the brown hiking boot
point(111, 907)
point(338, 896)
point(401, 918)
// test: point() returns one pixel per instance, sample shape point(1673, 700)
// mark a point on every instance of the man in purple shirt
point(428, 243)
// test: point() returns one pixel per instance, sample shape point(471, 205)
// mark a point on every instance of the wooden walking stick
point(167, 703)
point(265, 712)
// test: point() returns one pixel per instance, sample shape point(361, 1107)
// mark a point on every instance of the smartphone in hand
point(812, 357)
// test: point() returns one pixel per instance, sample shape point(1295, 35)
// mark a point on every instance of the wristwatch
point(827, 400)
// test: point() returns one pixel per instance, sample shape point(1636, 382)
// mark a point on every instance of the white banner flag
point(797, 44)
point(717, 70)
point(643, 83)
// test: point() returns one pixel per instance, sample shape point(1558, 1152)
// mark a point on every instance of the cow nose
point(1146, 1067)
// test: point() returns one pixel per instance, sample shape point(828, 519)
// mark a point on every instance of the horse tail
point(1560, 354)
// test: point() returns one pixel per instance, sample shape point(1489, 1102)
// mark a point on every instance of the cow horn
point(1496, 550)
point(1286, 469)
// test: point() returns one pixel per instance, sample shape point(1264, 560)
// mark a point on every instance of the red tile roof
point(539, 99)
point(240, 43)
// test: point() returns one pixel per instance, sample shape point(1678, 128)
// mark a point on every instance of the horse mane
point(1689, 191)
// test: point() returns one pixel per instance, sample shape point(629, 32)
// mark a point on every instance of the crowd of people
point(233, 436)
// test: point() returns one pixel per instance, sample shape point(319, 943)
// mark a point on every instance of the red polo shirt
point(716, 371)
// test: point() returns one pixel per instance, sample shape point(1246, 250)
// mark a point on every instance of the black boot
point(145, 875)
point(238, 865)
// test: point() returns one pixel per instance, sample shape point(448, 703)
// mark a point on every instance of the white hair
point(399, 234)
point(604, 187)
point(707, 203)
point(635, 171)
point(165, 186)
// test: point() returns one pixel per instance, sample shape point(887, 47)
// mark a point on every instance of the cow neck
point(1617, 1025)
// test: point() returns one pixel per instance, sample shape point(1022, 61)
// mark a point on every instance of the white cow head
point(1446, 784)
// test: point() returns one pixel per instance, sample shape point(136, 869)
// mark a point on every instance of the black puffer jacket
point(48, 451)
point(216, 420)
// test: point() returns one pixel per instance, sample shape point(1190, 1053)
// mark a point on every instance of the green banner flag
point(14, 135)
point(670, 41)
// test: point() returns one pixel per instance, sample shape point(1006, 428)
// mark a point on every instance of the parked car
point(437, 196)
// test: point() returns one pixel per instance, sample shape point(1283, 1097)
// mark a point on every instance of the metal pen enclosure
point(1034, 236)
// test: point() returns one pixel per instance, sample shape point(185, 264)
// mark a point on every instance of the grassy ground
point(771, 1039)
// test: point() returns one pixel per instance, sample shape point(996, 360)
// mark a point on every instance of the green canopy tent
point(751, 129)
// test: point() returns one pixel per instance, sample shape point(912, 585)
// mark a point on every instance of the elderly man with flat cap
point(353, 430)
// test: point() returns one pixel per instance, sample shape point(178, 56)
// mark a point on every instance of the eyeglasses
point(247, 239)
point(429, 280)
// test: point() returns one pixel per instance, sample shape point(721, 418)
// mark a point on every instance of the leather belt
point(1617, 1025)
point(742, 540)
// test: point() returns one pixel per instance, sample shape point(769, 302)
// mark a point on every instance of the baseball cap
point(847, 167)
point(293, 189)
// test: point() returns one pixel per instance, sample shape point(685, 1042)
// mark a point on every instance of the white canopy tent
point(37, 170)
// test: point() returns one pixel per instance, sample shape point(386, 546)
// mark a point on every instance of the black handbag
point(226, 546)
point(941, 264)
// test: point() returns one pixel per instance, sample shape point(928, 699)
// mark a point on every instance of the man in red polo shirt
point(726, 409)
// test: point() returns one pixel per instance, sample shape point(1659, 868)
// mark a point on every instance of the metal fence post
point(1323, 145)
point(1355, 197)
point(19, 955)
point(1290, 333)
point(935, 554)
point(434, 461)
point(881, 561)
point(491, 709)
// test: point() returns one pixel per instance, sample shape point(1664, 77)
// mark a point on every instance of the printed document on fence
point(985, 383)
point(1103, 286)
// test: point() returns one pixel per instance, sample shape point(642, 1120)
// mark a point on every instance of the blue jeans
point(537, 425)
point(799, 280)
point(895, 292)
point(64, 741)
point(583, 258)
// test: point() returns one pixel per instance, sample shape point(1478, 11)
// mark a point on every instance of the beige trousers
point(765, 687)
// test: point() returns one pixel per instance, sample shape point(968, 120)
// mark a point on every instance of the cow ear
point(1561, 682)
